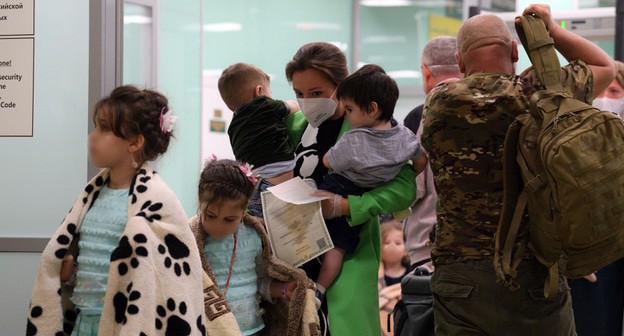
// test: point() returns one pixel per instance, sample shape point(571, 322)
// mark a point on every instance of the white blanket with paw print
point(155, 276)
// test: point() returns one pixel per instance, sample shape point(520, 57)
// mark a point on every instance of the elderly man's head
point(438, 61)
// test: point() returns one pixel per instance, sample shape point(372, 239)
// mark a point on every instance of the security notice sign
point(17, 17)
point(16, 86)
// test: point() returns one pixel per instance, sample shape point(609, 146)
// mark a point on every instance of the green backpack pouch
point(563, 178)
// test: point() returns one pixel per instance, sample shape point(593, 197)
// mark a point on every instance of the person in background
point(598, 299)
point(464, 128)
point(258, 132)
point(125, 249)
point(395, 264)
point(438, 65)
point(612, 98)
point(351, 302)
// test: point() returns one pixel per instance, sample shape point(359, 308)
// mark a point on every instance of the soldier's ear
point(460, 62)
point(514, 51)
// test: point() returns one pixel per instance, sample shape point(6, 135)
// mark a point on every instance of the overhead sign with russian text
point(17, 17)
point(16, 86)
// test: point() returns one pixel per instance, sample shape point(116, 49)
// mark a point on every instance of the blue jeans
point(255, 202)
point(343, 235)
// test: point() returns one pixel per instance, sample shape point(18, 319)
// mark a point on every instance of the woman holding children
point(315, 72)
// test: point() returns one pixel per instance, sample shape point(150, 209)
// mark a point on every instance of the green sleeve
point(395, 195)
point(296, 124)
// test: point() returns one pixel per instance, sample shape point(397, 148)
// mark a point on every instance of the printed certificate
point(297, 232)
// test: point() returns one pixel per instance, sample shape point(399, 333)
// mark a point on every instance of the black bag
point(413, 314)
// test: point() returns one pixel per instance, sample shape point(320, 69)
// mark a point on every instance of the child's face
point(106, 150)
point(221, 219)
point(356, 116)
point(393, 248)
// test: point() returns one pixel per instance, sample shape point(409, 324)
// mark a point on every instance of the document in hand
point(294, 221)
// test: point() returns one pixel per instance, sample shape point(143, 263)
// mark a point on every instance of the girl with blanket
point(239, 265)
point(124, 259)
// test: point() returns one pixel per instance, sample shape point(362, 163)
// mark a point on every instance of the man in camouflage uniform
point(465, 123)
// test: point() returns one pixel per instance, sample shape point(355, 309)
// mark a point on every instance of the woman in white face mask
point(351, 302)
point(612, 98)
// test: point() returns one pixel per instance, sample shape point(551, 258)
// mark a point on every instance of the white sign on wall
point(16, 86)
point(17, 55)
point(17, 17)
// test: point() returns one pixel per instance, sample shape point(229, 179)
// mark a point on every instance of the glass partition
point(139, 44)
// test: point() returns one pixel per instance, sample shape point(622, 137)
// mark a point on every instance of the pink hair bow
point(167, 119)
point(246, 169)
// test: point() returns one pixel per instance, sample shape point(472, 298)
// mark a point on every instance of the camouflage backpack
point(564, 164)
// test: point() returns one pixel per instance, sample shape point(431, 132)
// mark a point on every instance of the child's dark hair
point(129, 111)
point(223, 180)
point(370, 84)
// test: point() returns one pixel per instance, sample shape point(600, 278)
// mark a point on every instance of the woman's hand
point(334, 205)
point(591, 277)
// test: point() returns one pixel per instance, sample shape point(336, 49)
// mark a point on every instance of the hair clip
point(167, 119)
point(247, 170)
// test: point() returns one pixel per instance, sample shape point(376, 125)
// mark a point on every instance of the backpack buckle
point(536, 182)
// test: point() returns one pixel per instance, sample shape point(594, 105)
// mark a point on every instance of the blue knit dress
point(99, 236)
point(242, 293)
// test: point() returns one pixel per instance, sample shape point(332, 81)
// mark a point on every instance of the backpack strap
point(541, 50)
point(551, 284)
point(514, 203)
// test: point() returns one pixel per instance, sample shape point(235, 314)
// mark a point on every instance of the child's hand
point(283, 290)
point(293, 106)
point(68, 269)
point(289, 288)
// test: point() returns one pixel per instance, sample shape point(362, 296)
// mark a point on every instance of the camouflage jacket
point(464, 127)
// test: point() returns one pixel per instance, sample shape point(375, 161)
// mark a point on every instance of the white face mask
point(317, 110)
point(610, 104)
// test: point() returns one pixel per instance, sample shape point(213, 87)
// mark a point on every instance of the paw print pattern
point(64, 239)
point(177, 250)
point(123, 304)
point(138, 184)
point(35, 312)
point(124, 251)
point(148, 211)
point(99, 182)
point(174, 325)
point(200, 325)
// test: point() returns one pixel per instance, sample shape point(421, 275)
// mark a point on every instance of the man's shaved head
point(481, 31)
